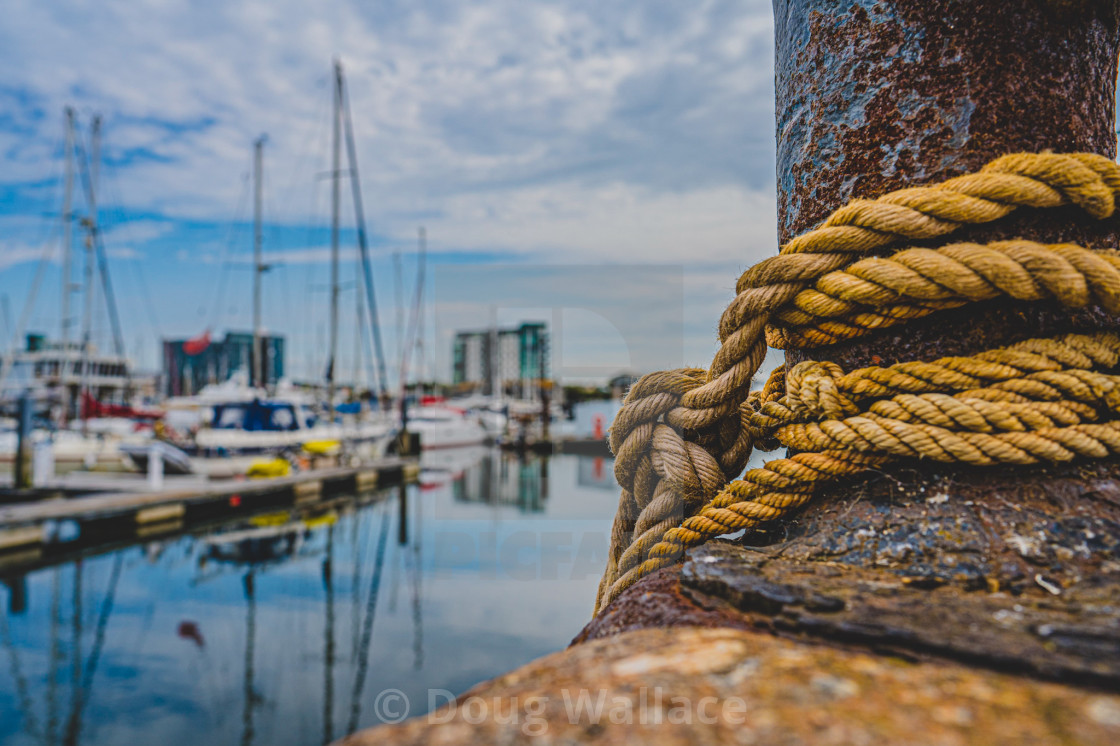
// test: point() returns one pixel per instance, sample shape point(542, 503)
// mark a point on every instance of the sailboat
point(65, 377)
point(439, 425)
point(251, 427)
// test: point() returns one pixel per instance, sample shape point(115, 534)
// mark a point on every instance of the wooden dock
point(131, 514)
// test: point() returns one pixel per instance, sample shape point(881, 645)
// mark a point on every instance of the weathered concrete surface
point(740, 687)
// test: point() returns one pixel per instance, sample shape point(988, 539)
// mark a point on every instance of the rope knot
point(813, 391)
point(682, 434)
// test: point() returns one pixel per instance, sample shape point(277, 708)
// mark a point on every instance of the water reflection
point(494, 479)
point(285, 626)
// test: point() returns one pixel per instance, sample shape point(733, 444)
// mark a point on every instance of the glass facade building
point(185, 374)
point(500, 356)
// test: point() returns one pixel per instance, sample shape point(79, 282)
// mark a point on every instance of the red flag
point(197, 344)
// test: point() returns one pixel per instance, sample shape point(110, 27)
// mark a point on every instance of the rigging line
point(307, 335)
point(417, 562)
point(48, 230)
point(112, 185)
point(416, 317)
point(359, 540)
point(146, 296)
point(316, 144)
point(367, 266)
point(315, 225)
point(356, 349)
point(398, 292)
point(6, 312)
point(52, 196)
point(367, 631)
point(364, 346)
point(48, 218)
point(76, 645)
point(84, 167)
point(225, 263)
point(362, 354)
point(394, 578)
point(48, 226)
point(74, 726)
point(28, 306)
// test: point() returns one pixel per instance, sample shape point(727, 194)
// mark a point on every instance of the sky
point(572, 161)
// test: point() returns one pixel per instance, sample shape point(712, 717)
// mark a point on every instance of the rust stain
point(875, 95)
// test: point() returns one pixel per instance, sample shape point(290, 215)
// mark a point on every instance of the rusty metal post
point(874, 96)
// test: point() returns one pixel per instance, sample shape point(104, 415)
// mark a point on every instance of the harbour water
point(300, 626)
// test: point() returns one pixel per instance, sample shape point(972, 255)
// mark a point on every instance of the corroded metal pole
point(875, 96)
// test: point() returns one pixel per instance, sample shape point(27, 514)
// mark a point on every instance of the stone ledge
point(654, 683)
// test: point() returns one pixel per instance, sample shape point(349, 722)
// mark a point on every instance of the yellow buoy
point(277, 467)
point(322, 447)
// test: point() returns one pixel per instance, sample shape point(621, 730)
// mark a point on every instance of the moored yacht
point(445, 427)
point(242, 429)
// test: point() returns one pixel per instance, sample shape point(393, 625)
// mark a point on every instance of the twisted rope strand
point(962, 428)
point(879, 292)
point(713, 409)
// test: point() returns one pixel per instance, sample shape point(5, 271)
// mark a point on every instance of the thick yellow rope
point(682, 435)
point(879, 292)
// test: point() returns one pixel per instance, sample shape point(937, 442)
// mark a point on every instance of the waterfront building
point(510, 359)
point(190, 364)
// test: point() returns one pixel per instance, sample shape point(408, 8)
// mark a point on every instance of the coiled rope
point(681, 436)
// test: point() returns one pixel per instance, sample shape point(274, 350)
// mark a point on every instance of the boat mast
point(416, 318)
point(97, 259)
point(67, 196)
point(336, 158)
point(67, 271)
point(363, 246)
point(100, 253)
point(88, 172)
point(258, 266)
point(421, 270)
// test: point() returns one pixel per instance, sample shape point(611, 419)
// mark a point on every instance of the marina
point(396, 374)
point(221, 628)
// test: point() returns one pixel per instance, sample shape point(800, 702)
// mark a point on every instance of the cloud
point(618, 222)
point(552, 132)
point(12, 256)
point(133, 231)
point(447, 99)
point(124, 252)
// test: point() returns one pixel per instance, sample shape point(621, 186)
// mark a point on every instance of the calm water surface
point(285, 628)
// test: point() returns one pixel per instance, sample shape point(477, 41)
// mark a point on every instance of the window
point(229, 418)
